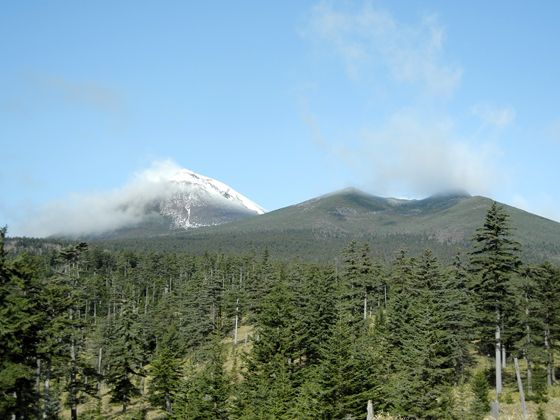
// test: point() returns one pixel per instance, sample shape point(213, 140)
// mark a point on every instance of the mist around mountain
point(161, 198)
point(318, 229)
point(167, 207)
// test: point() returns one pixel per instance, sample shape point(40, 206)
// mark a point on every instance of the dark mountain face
point(321, 227)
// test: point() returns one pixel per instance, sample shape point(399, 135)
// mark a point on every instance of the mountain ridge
point(321, 227)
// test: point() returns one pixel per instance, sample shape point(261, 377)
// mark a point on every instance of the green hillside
point(319, 228)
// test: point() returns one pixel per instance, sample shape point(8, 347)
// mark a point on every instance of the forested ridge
point(87, 332)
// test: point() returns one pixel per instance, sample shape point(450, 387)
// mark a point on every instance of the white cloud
point(102, 211)
point(417, 150)
point(414, 154)
point(497, 117)
point(369, 38)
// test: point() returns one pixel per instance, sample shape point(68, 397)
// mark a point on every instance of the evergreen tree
point(316, 312)
point(125, 357)
point(458, 304)
point(359, 280)
point(481, 403)
point(205, 394)
point(529, 328)
point(20, 324)
point(165, 375)
point(352, 371)
point(67, 324)
point(547, 292)
point(425, 357)
point(273, 366)
point(494, 260)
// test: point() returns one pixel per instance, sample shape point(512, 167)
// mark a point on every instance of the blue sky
point(283, 101)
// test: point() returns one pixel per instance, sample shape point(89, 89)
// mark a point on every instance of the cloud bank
point(422, 156)
point(102, 211)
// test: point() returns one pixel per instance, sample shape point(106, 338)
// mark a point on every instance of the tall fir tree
point(165, 374)
point(20, 325)
point(125, 356)
point(205, 393)
point(425, 357)
point(272, 368)
point(494, 260)
point(547, 292)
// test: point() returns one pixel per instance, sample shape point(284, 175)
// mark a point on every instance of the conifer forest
point(92, 333)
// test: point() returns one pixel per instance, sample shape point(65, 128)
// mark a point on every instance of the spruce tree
point(547, 292)
point(425, 356)
point(481, 403)
point(359, 279)
point(530, 327)
point(165, 373)
point(273, 367)
point(351, 372)
point(125, 355)
point(494, 260)
point(458, 303)
point(205, 393)
point(20, 325)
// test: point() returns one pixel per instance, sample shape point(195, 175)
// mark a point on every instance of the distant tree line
point(247, 337)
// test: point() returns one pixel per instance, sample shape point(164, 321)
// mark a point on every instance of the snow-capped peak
point(194, 200)
point(186, 176)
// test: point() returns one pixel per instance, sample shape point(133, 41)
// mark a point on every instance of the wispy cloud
point(416, 150)
point(494, 116)
point(371, 40)
point(83, 93)
point(415, 154)
point(102, 211)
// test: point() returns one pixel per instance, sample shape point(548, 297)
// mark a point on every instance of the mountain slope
point(320, 228)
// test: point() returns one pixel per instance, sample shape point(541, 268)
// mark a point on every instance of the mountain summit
point(195, 200)
point(158, 201)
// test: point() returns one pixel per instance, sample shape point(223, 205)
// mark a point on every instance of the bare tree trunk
point(47, 391)
point(72, 390)
point(385, 293)
point(498, 362)
point(236, 322)
point(167, 403)
point(520, 387)
point(213, 315)
point(38, 377)
point(503, 356)
point(495, 409)
point(99, 360)
point(369, 410)
point(14, 417)
point(526, 351)
point(146, 302)
point(549, 366)
point(365, 306)
point(529, 375)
